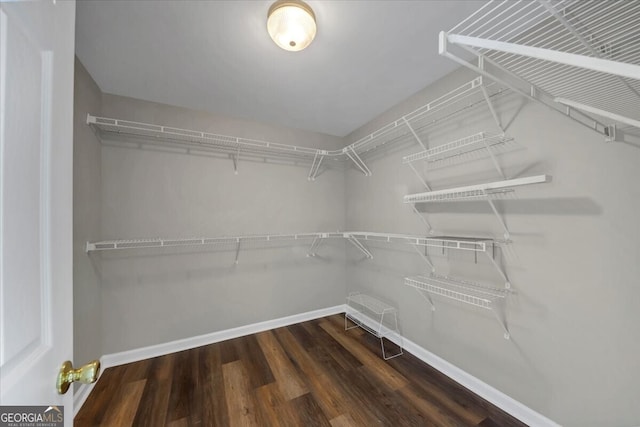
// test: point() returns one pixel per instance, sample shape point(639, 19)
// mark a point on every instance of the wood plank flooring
point(309, 374)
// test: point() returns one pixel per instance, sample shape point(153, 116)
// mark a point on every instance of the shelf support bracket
point(425, 257)
point(315, 166)
point(357, 160)
point(494, 160)
point(360, 246)
point(415, 135)
point(507, 284)
point(427, 298)
point(485, 94)
point(422, 218)
point(500, 315)
point(422, 180)
point(497, 214)
point(237, 250)
point(236, 160)
point(317, 241)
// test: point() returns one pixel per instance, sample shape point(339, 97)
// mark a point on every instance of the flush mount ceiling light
point(291, 24)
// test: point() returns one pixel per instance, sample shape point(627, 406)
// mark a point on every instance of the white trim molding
point(137, 354)
point(482, 389)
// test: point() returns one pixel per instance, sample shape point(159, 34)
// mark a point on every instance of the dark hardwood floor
point(309, 374)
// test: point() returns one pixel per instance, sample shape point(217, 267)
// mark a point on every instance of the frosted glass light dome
point(291, 24)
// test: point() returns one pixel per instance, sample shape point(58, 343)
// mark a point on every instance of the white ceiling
point(217, 56)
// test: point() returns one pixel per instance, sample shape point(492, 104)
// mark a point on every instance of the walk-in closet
point(321, 212)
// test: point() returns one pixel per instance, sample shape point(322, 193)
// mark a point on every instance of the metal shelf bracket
point(315, 165)
point(351, 153)
point(315, 244)
point(359, 245)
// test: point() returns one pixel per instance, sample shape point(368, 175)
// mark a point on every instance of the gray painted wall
point(573, 260)
point(152, 297)
point(87, 303)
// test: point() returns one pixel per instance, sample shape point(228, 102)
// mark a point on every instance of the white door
point(36, 159)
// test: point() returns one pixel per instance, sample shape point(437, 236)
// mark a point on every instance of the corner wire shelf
point(477, 191)
point(235, 148)
point(418, 122)
point(370, 314)
point(579, 57)
point(466, 292)
point(475, 245)
point(469, 144)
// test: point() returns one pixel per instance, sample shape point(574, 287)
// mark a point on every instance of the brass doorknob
point(85, 374)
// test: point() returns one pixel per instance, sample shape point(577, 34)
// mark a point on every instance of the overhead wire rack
point(579, 57)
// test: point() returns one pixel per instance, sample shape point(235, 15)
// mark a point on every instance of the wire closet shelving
point(314, 240)
point(484, 191)
point(410, 125)
point(466, 292)
point(579, 57)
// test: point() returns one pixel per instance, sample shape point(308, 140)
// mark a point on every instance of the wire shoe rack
point(376, 317)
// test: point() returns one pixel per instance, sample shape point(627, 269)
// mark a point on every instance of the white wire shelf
point(412, 124)
point(417, 122)
point(581, 57)
point(474, 191)
point(461, 243)
point(109, 245)
point(459, 290)
point(446, 242)
point(223, 143)
point(466, 292)
point(478, 141)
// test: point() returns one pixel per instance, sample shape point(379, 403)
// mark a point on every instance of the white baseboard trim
point(137, 354)
point(482, 389)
